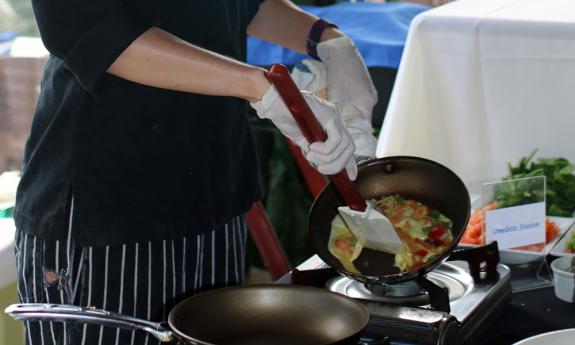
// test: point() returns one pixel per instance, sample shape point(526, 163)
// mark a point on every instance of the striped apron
point(144, 279)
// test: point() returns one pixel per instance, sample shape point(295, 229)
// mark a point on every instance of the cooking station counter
point(529, 313)
point(510, 318)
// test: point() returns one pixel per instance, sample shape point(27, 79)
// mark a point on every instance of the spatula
point(371, 228)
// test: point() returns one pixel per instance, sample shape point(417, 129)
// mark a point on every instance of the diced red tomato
point(474, 230)
point(551, 230)
point(420, 252)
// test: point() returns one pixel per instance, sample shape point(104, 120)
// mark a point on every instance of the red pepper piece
point(437, 232)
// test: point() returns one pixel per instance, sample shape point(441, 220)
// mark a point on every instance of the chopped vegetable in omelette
point(342, 243)
point(425, 233)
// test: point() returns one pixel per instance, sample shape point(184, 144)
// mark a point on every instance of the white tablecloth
point(7, 260)
point(484, 82)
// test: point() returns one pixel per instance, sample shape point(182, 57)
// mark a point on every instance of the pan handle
point(383, 341)
point(63, 312)
point(311, 129)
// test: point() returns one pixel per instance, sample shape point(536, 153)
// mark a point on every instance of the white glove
point(348, 79)
point(312, 76)
point(360, 130)
point(329, 157)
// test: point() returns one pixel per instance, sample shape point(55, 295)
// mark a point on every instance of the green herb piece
point(399, 198)
point(434, 214)
point(560, 185)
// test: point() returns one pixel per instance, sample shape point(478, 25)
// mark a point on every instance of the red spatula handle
point(311, 129)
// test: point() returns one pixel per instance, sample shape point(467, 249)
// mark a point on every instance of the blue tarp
point(378, 30)
point(6, 39)
point(7, 36)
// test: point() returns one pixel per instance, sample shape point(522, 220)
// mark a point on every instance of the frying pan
point(247, 315)
point(415, 178)
point(426, 181)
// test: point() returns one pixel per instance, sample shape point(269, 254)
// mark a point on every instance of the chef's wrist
point(320, 31)
point(330, 33)
point(257, 84)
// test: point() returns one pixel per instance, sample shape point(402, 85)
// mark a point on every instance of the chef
point(140, 164)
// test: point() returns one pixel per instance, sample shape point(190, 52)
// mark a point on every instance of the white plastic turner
point(371, 228)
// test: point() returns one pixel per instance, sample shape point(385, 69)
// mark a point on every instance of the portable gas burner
point(450, 305)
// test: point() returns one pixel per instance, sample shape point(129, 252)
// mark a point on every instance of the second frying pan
point(243, 315)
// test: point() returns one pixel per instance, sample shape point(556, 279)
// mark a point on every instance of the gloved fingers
point(334, 139)
point(302, 77)
point(365, 145)
point(348, 79)
point(301, 142)
point(359, 128)
point(319, 76)
point(318, 155)
point(296, 136)
point(335, 161)
point(351, 111)
point(342, 45)
point(338, 164)
point(351, 169)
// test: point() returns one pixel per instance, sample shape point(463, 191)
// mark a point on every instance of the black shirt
point(141, 163)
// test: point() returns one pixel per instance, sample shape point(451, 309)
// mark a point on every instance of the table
point(484, 82)
point(530, 313)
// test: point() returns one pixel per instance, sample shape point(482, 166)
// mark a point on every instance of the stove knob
point(449, 332)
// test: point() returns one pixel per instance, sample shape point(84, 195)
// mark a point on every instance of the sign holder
point(515, 218)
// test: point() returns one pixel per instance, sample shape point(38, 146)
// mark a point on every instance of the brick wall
point(19, 88)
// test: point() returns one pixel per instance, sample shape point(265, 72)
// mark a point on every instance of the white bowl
point(564, 278)
point(562, 337)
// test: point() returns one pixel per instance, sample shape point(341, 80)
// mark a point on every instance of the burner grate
point(452, 281)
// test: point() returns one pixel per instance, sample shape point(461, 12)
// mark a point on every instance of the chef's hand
point(311, 75)
point(329, 157)
point(347, 77)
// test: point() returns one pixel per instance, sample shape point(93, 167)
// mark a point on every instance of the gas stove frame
point(440, 321)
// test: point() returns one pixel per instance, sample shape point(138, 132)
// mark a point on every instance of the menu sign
point(515, 212)
point(516, 226)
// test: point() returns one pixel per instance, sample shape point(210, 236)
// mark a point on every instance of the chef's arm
point(157, 58)
point(283, 23)
point(95, 38)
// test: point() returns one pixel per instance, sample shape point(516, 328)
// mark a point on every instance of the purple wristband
point(314, 36)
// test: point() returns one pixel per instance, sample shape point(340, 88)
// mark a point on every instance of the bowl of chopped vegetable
point(564, 278)
point(566, 246)
point(560, 206)
point(555, 229)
